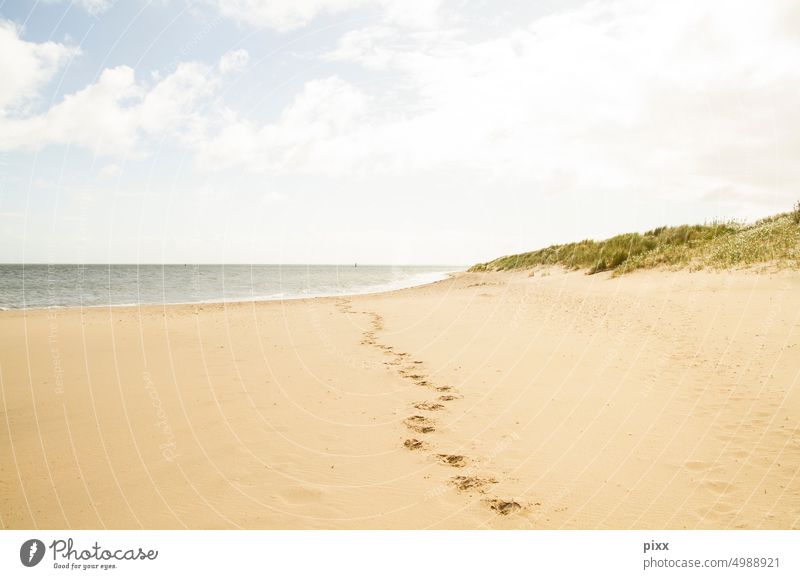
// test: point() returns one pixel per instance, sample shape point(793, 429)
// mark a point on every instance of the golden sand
point(655, 400)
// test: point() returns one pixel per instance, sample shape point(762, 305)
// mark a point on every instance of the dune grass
point(716, 245)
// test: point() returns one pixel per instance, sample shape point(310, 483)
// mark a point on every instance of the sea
point(71, 285)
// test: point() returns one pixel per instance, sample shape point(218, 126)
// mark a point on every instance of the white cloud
point(273, 198)
point(26, 67)
point(281, 15)
point(305, 134)
point(109, 171)
point(686, 99)
point(234, 61)
point(93, 117)
point(171, 107)
point(111, 115)
point(93, 7)
point(676, 99)
point(293, 14)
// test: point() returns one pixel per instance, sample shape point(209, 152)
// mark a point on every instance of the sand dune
point(655, 400)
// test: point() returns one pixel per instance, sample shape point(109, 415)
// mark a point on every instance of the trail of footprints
point(421, 424)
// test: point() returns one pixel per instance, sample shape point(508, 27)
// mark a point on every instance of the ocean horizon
point(30, 286)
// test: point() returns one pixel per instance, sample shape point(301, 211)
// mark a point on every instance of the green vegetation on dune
point(716, 245)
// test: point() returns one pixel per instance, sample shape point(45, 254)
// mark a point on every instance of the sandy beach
point(492, 400)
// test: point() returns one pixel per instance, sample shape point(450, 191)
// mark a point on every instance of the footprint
point(696, 465)
point(448, 398)
point(455, 460)
point(443, 388)
point(466, 483)
point(723, 508)
point(720, 486)
point(419, 424)
point(300, 495)
point(428, 406)
point(504, 507)
point(414, 444)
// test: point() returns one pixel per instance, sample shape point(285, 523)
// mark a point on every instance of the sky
point(385, 131)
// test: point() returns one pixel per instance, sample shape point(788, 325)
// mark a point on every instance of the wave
point(151, 291)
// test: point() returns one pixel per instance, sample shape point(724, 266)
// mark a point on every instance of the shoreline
point(485, 400)
point(257, 300)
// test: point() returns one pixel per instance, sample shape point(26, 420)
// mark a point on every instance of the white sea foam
point(59, 286)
